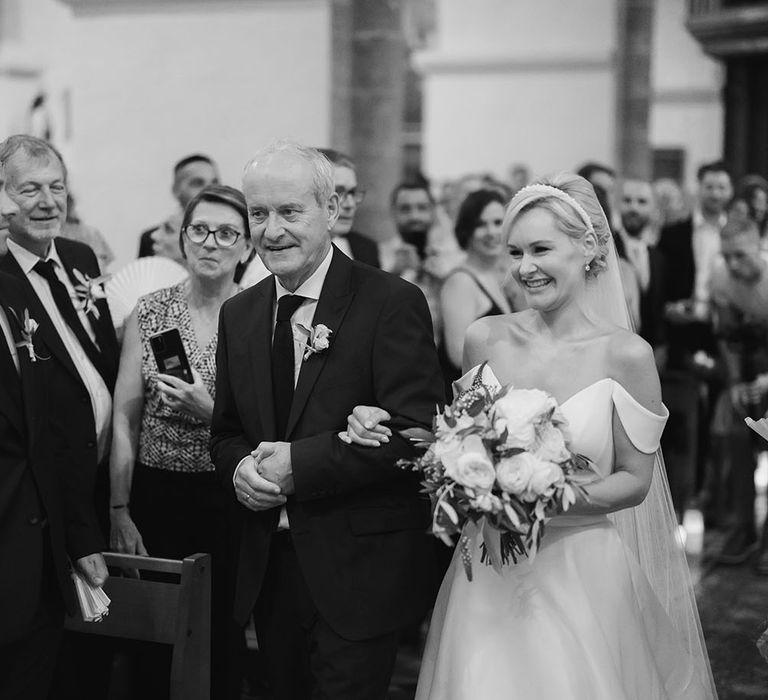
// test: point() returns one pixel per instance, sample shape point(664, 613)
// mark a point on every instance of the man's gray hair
point(322, 170)
point(34, 147)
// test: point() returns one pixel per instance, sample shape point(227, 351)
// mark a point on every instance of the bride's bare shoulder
point(492, 327)
point(492, 332)
point(631, 363)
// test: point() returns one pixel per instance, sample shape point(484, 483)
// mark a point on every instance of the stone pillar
point(633, 87)
point(341, 75)
point(377, 98)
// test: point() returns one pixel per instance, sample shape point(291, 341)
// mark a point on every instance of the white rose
point(517, 411)
point(543, 481)
point(552, 445)
point(514, 473)
point(470, 465)
point(321, 339)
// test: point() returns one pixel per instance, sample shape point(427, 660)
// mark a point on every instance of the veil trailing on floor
point(650, 530)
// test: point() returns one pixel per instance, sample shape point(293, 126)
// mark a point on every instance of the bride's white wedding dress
point(580, 621)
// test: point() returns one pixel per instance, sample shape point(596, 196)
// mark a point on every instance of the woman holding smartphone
point(165, 499)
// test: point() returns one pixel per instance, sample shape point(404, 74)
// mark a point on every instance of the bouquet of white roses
point(498, 457)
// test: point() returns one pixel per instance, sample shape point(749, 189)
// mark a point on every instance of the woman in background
point(166, 500)
point(474, 289)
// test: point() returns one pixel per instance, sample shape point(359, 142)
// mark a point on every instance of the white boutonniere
point(318, 339)
point(89, 291)
point(28, 327)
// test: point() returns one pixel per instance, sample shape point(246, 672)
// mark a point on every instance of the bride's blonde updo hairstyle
point(573, 203)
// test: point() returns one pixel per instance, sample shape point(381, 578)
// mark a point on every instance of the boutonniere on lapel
point(318, 340)
point(89, 291)
point(28, 327)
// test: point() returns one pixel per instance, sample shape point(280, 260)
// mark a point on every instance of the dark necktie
point(283, 361)
point(64, 303)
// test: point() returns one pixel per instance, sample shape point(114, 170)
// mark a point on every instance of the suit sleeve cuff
point(239, 464)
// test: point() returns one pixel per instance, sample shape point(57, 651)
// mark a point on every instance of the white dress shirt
point(5, 324)
point(706, 249)
point(637, 253)
point(101, 400)
point(301, 320)
point(342, 243)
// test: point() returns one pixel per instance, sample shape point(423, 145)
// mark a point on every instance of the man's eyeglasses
point(225, 236)
point(356, 193)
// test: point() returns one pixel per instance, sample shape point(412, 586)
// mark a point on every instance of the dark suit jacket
point(676, 244)
point(72, 428)
point(652, 323)
point(363, 249)
point(146, 248)
point(34, 524)
point(358, 522)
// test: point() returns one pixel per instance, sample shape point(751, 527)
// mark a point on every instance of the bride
point(606, 610)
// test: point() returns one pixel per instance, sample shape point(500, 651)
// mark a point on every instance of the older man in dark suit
point(76, 327)
point(334, 560)
point(41, 524)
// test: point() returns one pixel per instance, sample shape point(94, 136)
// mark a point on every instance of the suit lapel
point(33, 389)
point(332, 306)
point(101, 327)
point(11, 399)
point(258, 329)
point(37, 311)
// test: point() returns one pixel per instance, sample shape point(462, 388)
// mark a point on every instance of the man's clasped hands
point(265, 478)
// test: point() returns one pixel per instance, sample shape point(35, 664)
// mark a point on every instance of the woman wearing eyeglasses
point(165, 499)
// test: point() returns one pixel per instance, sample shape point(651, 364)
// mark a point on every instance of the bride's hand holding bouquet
point(497, 458)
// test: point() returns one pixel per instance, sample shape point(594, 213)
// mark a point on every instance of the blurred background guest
point(694, 243)
point(739, 293)
point(166, 501)
point(600, 175)
point(752, 192)
point(473, 289)
point(671, 204)
point(629, 279)
point(76, 230)
point(420, 251)
point(190, 175)
point(353, 244)
point(637, 211)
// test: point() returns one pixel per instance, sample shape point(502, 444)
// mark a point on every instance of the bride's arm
point(365, 426)
point(631, 363)
point(365, 423)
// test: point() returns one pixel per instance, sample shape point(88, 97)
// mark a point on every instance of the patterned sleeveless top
point(169, 439)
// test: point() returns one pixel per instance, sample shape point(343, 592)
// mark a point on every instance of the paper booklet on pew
point(94, 603)
point(759, 426)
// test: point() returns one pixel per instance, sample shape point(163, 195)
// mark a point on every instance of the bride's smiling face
point(547, 263)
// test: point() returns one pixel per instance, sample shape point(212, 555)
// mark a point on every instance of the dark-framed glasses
point(225, 236)
point(357, 193)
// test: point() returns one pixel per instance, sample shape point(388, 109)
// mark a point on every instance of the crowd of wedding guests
point(131, 444)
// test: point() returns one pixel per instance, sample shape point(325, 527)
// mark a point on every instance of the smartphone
point(170, 355)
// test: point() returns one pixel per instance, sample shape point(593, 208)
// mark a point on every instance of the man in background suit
point(82, 345)
point(692, 245)
point(353, 244)
point(191, 175)
point(334, 561)
point(636, 207)
point(39, 528)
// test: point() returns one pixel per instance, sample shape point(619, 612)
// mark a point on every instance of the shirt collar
point(28, 260)
point(313, 285)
